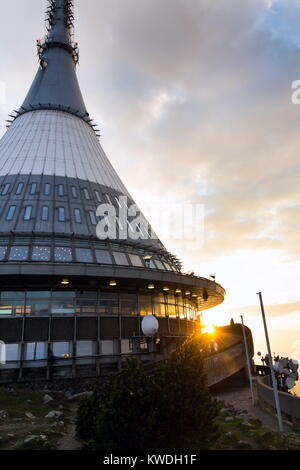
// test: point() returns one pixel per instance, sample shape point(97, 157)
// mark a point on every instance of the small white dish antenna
point(150, 325)
point(290, 383)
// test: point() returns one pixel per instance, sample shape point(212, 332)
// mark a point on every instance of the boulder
point(29, 439)
point(3, 415)
point(244, 445)
point(228, 419)
point(29, 416)
point(47, 399)
point(54, 414)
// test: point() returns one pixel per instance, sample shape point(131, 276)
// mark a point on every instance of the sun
point(210, 329)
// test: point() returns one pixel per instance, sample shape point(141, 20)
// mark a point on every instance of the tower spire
point(55, 85)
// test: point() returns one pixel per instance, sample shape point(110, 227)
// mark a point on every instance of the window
point(84, 255)
point(86, 194)
point(103, 257)
point(5, 189)
point(77, 215)
point(85, 348)
point(2, 252)
point(33, 189)
point(61, 214)
point(108, 347)
point(136, 261)
point(27, 213)
point(45, 213)
point(120, 258)
point(19, 189)
point(74, 192)
point(18, 253)
point(98, 197)
point(168, 266)
point(63, 254)
point(35, 351)
point(126, 346)
point(60, 190)
point(47, 189)
point(12, 352)
point(10, 213)
point(93, 218)
point(61, 349)
point(159, 264)
point(41, 253)
point(108, 199)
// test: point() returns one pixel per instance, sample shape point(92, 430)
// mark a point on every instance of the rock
point(43, 437)
point(248, 426)
point(223, 410)
point(79, 395)
point(228, 435)
point(228, 419)
point(10, 435)
point(29, 416)
point(3, 415)
point(61, 424)
point(244, 445)
point(29, 402)
point(29, 439)
point(47, 399)
point(60, 407)
point(54, 414)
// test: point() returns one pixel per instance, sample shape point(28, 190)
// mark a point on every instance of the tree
point(168, 410)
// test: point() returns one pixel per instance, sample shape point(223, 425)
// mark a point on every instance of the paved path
point(239, 396)
point(69, 441)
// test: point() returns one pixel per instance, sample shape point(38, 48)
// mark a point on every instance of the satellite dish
point(295, 362)
point(150, 325)
point(259, 353)
point(290, 383)
point(278, 367)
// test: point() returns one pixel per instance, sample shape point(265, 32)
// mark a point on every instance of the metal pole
point(248, 361)
point(275, 389)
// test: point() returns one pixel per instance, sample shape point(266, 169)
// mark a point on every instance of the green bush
point(86, 417)
point(169, 409)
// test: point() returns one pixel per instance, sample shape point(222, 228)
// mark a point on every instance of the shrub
point(169, 409)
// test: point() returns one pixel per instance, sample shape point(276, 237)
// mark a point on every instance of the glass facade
point(41, 253)
point(95, 302)
point(19, 253)
point(63, 254)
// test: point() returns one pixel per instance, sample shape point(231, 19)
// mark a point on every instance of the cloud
point(277, 310)
point(193, 98)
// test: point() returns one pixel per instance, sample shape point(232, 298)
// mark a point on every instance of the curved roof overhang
point(209, 293)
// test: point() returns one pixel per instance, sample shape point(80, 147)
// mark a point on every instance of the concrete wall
point(290, 405)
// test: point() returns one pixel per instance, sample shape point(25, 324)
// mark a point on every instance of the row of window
point(109, 307)
point(62, 254)
point(45, 214)
point(38, 351)
point(47, 190)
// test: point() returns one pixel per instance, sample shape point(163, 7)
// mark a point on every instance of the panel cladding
point(174, 326)
point(36, 329)
point(48, 194)
point(56, 143)
point(130, 327)
point(62, 329)
point(109, 328)
point(163, 326)
point(11, 330)
point(87, 328)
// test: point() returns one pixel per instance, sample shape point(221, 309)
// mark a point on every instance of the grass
point(19, 402)
point(256, 436)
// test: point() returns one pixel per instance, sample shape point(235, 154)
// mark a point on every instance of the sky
point(193, 99)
